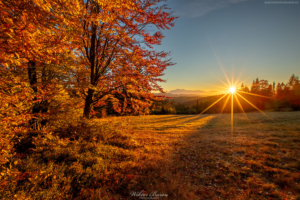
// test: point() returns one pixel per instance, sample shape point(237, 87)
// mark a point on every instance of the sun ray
point(241, 107)
point(216, 86)
point(212, 104)
point(238, 78)
point(217, 59)
point(253, 105)
point(233, 90)
point(232, 76)
point(239, 83)
point(225, 103)
point(242, 71)
point(221, 66)
point(224, 92)
point(247, 78)
point(221, 81)
point(231, 114)
point(255, 94)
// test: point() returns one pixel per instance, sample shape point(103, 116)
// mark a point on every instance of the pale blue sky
point(249, 36)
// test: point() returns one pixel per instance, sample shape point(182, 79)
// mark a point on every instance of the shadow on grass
point(170, 119)
point(196, 117)
point(107, 161)
point(209, 164)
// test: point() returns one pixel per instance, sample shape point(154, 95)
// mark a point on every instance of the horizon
point(209, 36)
point(79, 119)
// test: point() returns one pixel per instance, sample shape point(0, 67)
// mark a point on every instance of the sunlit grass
point(185, 156)
point(210, 162)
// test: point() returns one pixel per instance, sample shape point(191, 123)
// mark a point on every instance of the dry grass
point(183, 156)
point(197, 157)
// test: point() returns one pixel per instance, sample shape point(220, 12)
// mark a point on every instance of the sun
point(233, 92)
point(232, 89)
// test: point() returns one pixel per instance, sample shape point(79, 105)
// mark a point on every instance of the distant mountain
point(187, 96)
point(184, 99)
point(176, 95)
point(189, 92)
point(179, 98)
point(202, 99)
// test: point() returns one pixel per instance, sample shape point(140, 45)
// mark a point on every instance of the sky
point(249, 38)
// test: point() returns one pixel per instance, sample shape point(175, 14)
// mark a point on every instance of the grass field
point(181, 156)
point(197, 157)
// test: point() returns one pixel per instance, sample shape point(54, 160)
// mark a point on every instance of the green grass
point(183, 156)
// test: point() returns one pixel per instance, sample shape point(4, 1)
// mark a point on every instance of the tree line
point(262, 95)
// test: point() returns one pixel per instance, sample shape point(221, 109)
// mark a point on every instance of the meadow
point(181, 156)
point(67, 67)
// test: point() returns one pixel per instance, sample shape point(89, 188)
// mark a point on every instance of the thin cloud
point(184, 91)
point(196, 8)
point(236, 1)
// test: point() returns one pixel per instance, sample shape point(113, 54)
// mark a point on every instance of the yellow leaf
point(8, 35)
point(9, 21)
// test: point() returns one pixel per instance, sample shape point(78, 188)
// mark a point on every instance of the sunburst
point(232, 89)
point(231, 93)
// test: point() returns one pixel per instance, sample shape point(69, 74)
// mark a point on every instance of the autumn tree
point(255, 86)
point(34, 43)
point(34, 31)
point(244, 88)
point(279, 90)
point(294, 95)
point(115, 51)
point(265, 88)
point(129, 103)
point(274, 88)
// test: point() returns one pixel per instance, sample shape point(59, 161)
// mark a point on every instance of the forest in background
point(262, 95)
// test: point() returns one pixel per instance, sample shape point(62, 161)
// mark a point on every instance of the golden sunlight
point(232, 93)
point(232, 89)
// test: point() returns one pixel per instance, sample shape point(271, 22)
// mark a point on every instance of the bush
point(71, 161)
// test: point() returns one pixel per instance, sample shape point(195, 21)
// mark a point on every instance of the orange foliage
point(113, 59)
point(34, 30)
point(52, 50)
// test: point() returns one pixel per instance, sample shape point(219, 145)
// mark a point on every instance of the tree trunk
point(44, 105)
point(32, 76)
point(38, 107)
point(88, 104)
